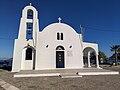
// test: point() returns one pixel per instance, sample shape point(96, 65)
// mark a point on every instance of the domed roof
point(58, 26)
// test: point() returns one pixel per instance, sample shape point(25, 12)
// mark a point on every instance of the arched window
point(60, 48)
point(30, 14)
point(28, 54)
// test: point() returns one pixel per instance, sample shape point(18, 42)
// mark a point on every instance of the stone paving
point(2, 88)
point(7, 86)
point(106, 82)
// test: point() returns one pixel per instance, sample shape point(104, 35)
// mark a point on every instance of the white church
point(57, 46)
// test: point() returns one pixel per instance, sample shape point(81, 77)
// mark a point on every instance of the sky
point(100, 20)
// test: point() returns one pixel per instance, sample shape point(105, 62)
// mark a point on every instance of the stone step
point(70, 75)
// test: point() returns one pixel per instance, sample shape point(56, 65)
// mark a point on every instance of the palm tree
point(115, 48)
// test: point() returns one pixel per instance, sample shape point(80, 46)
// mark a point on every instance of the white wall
point(17, 56)
point(46, 57)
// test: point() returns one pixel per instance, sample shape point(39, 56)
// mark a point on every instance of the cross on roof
point(30, 4)
point(59, 19)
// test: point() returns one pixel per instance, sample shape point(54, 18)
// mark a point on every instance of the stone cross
point(30, 4)
point(59, 19)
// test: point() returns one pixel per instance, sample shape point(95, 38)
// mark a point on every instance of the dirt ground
point(1, 88)
point(104, 82)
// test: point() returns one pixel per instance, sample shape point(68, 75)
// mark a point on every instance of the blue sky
point(100, 18)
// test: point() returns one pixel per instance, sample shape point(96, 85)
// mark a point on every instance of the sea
point(8, 61)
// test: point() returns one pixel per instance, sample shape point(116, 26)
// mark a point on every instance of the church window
point(29, 54)
point(29, 30)
point(59, 36)
point(71, 46)
point(46, 46)
point(30, 14)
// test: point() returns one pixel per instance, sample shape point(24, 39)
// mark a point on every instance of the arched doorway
point(90, 57)
point(60, 57)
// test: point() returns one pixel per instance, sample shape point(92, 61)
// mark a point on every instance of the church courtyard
point(101, 82)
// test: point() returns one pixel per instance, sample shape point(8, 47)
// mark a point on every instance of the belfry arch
point(29, 14)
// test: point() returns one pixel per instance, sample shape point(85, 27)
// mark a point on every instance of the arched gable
point(57, 26)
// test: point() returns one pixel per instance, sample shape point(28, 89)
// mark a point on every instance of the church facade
point(57, 46)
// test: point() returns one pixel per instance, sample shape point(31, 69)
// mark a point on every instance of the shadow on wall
point(6, 65)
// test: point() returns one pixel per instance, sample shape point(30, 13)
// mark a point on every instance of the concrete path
point(7, 86)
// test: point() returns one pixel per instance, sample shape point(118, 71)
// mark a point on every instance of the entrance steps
point(70, 75)
point(65, 73)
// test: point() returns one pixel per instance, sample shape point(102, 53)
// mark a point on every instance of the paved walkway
point(7, 86)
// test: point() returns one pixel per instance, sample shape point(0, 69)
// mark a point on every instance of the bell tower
point(25, 45)
point(29, 24)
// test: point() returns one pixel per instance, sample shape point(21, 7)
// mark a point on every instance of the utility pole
point(81, 31)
